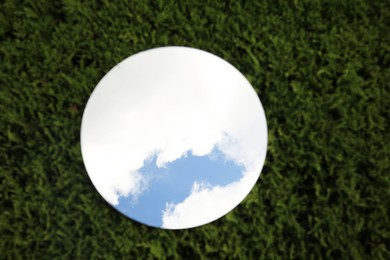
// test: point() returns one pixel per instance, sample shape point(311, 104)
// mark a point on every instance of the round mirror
point(174, 137)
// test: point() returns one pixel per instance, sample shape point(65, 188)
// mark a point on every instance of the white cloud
point(206, 203)
point(168, 103)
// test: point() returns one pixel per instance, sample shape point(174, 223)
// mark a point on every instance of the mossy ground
point(321, 69)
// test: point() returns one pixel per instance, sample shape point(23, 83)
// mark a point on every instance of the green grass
point(321, 69)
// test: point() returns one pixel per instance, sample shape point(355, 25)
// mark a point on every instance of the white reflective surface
point(174, 137)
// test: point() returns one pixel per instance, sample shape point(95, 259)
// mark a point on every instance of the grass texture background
point(321, 69)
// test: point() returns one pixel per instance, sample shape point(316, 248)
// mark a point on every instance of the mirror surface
point(174, 137)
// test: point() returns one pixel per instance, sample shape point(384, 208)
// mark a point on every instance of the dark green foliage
point(321, 69)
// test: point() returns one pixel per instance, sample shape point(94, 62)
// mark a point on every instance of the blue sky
point(174, 182)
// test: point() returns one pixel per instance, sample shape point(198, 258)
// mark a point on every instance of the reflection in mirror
point(174, 137)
